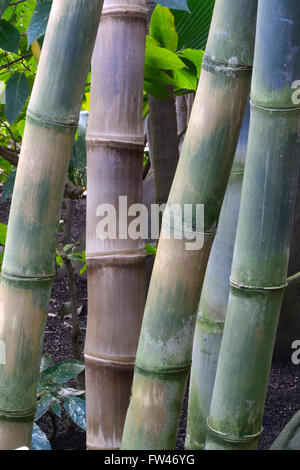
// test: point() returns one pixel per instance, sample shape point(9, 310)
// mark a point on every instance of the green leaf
point(39, 20)
point(8, 186)
point(63, 371)
point(83, 269)
point(162, 28)
point(3, 5)
point(160, 57)
point(193, 28)
point(3, 232)
point(157, 76)
point(185, 79)
point(55, 407)
point(70, 392)
point(195, 56)
point(43, 405)
point(176, 4)
point(46, 362)
point(150, 249)
point(16, 93)
point(39, 439)
point(156, 90)
point(76, 408)
point(145, 105)
point(78, 157)
point(9, 37)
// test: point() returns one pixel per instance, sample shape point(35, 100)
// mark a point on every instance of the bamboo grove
point(208, 319)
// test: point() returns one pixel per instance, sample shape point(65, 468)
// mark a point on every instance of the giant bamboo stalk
point(29, 261)
point(213, 302)
point(164, 352)
point(261, 253)
point(116, 267)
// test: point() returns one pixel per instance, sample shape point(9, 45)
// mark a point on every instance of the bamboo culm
point(213, 302)
point(261, 253)
point(115, 267)
point(165, 345)
point(29, 261)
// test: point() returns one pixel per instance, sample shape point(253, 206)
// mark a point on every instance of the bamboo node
point(129, 10)
point(104, 359)
point(52, 122)
point(239, 285)
point(226, 437)
point(18, 413)
point(116, 257)
point(24, 279)
point(226, 68)
point(210, 321)
point(131, 142)
point(274, 110)
point(162, 370)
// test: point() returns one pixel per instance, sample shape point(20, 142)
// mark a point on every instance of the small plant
point(54, 394)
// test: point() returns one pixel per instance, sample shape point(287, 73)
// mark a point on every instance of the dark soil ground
point(283, 398)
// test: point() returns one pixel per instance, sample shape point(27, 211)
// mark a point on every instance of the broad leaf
point(43, 405)
point(9, 37)
point(39, 20)
point(157, 76)
point(162, 28)
point(46, 362)
point(16, 94)
point(8, 186)
point(62, 371)
point(195, 56)
point(3, 5)
point(39, 439)
point(76, 408)
point(70, 392)
point(3, 232)
point(157, 90)
point(161, 57)
point(193, 28)
point(185, 79)
point(55, 407)
point(175, 4)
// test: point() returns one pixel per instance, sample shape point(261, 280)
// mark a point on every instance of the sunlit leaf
point(162, 28)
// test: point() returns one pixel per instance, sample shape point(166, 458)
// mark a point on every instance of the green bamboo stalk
point(116, 267)
point(261, 253)
point(29, 261)
point(164, 351)
point(213, 302)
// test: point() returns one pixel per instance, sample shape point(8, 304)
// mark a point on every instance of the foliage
point(164, 63)
point(193, 27)
point(3, 231)
point(22, 29)
point(54, 394)
point(73, 256)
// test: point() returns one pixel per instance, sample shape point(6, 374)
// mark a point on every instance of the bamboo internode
point(165, 346)
point(29, 261)
point(116, 267)
point(261, 253)
point(213, 302)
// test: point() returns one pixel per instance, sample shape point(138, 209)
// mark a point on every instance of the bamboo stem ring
point(225, 436)
point(239, 285)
